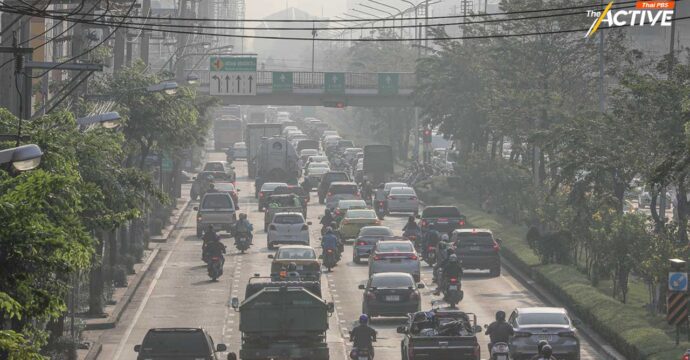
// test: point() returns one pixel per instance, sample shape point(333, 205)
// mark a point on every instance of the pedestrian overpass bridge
point(330, 89)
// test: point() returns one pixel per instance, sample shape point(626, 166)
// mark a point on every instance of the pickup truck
point(282, 203)
point(447, 334)
point(445, 219)
point(215, 209)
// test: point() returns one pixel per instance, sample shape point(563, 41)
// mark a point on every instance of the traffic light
point(426, 136)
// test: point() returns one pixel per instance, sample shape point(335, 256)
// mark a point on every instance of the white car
point(402, 199)
point(306, 153)
point(315, 175)
point(331, 141)
point(287, 129)
point(316, 165)
point(328, 132)
point(288, 228)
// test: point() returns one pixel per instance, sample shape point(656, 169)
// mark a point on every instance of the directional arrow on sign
point(227, 83)
point(238, 83)
point(217, 78)
point(251, 78)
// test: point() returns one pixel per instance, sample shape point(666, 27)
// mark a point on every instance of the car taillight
point(686, 357)
point(430, 248)
point(337, 212)
point(283, 274)
point(215, 258)
point(329, 194)
point(389, 197)
point(381, 203)
point(453, 280)
point(568, 334)
point(424, 223)
point(461, 222)
point(371, 296)
point(377, 222)
point(412, 257)
point(305, 227)
point(329, 251)
point(413, 198)
point(198, 218)
point(261, 194)
point(272, 227)
point(377, 257)
point(496, 247)
point(361, 243)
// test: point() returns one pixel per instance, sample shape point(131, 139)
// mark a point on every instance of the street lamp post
point(383, 11)
point(400, 12)
point(313, 46)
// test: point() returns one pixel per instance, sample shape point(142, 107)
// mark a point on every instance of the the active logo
point(646, 13)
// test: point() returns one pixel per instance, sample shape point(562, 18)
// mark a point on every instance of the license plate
point(474, 248)
point(392, 297)
point(395, 260)
point(363, 358)
point(545, 337)
point(501, 357)
point(452, 287)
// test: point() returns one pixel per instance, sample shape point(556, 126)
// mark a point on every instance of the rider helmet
point(541, 345)
point(444, 237)
point(292, 267)
point(327, 212)
point(546, 351)
point(364, 319)
point(411, 218)
point(453, 258)
point(329, 229)
point(500, 315)
point(243, 216)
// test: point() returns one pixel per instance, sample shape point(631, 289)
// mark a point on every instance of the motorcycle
point(242, 242)
point(215, 267)
point(452, 293)
point(500, 351)
point(380, 209)
point(430, 256)
point(330, 259)
point(360, 354)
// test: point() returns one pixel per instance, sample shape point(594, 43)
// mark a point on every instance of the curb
point(121, 306)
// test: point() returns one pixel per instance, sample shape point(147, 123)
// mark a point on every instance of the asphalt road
point(178, 293)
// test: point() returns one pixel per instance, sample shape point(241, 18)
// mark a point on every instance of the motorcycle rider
point(452, 269)
point(540, 346)
point(330, 242)
point(379, 198)
point(366, 190)
point(499, 330)
point(230, 154)
point(411, 227)
point(363, 336)
point(213, 247)
point(292, 274)
point(209, 236)
point(326, 219)
point(243, 226)
point(546, 353)
point(443, 263)
point(431, 238)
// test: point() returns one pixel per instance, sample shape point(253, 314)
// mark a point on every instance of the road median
point(631, 330)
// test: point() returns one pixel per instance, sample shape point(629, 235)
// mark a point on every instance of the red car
point(228, 187)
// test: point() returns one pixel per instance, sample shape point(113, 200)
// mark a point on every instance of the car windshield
point(271, 186)
point(394, 247)
point(441, 211)
point(240, 146)
point(471, 239)
point(318, 165)
point(214, 167)
point(390, 281)
point(175, 342)
point(361, 214)
point(288, 219)
point(224, 186)
point(343, 189)
point(402, 191)
point(318, 171)
point(296, 254)
point(217, 201)
point(542, 319)
point(375, 231)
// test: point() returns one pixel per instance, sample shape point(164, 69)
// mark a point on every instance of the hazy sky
point(261, 8)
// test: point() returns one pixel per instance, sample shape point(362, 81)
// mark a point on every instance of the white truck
point(253, 135)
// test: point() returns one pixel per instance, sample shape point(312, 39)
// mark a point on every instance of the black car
point(391, 294)
point(179, 343)
point(327, 179)
point(477, 249)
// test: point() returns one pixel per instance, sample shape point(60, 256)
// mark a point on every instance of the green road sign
point(334, 83)
point(233, 63)
point(389, 83)
point(166, 164)
point(282, 81)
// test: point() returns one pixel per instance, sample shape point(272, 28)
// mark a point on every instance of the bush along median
point(630, 328)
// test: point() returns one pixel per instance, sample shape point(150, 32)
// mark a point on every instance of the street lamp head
point(192, 79)
point(168, 87)
point(206, 45)
point(25, 157)
point(107, 120)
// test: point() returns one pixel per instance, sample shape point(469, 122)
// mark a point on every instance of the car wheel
point(356, 259)
point(496, 271)
point(199, 232)
point(265, 227)
point(270, 246)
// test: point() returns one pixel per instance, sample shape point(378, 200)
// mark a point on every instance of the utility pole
point(145, 35)
point(426, 26)
point(9, 96)
point(602, 93)
point(669, 77)
point(313, 46)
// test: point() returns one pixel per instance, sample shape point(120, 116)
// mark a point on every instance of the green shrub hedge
point(630, 329)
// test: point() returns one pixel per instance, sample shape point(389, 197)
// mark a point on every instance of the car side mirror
point(309, 223)
point(499, 240)
point(577, 322)
point(196, 208)
point(232, 356)
point(330, 307)
point(270, 256)
point(420, 286)
point(361, 287)
point(137, 348)
point(477, 329)
point(193, 177)
point(235, 303)
point(401, 330)
point(221, 348)
point(257, 275)
point(418, 216)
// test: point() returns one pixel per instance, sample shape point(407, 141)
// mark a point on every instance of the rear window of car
point(175, 342)
point(542, 319)
point(375, 231)
point(318, 158)
point(217, 201)
point(346, 143)
point(240, 146)
point(224, 186)
point(288, 219)
point(318, 165)
point(339, 176)
point(389, 281)
point(402, 191)
point(394, 247)
point(360, 214)
point(441, 211)
point(296, 254)
point(389, 186)
point(214, 167)
point(343, 189)
point(271, 186)
point(471, 239)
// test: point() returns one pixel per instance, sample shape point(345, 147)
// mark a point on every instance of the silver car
point(240, 150)
point(402, 199)
point(552, 324)
point(288, 228)
point(394, 256)
point(341, 190)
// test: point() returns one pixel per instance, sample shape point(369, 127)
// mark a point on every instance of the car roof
point(290, 213)
point(276, 184)
point(376, 227)
point(300, 247)
point(406, 242)
point(402, 187)
point(541, 310)
point(391, 274)
point(345, 202)
point(343, 183)
point(352, 212)
point(477, 230)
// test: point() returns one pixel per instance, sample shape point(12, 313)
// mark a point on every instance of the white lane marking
point(139, 311)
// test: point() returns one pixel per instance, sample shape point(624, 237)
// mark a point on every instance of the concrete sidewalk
point(121, 297)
